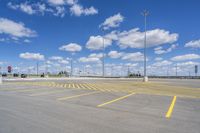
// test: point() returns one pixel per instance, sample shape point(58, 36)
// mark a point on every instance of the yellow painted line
point(171, 107)
point(81, 86)
point(69, 85)
point(85, 87)
point(78, 86)
point(66, 85)
point(75, 96)
point(112, 101)
point(73, 86)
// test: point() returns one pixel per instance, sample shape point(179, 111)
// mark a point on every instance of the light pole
point(0, 76)
point(71, 67)
point(145, 13)
point(37, 67)
point(103, 58)
point(46, 69)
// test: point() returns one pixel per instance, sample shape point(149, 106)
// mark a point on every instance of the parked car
point(4, 75)
point(23, 75)
point(42, 75)
point(15, 75)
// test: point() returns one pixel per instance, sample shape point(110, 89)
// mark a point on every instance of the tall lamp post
point(103, 58)
point(0, 75)
point(145, 13)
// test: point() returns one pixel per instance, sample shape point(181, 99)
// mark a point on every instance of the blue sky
point(53, 31)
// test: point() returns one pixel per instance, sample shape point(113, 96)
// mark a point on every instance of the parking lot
point(100, 105)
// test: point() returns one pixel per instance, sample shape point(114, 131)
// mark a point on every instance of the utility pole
point(145, 13)
point(176, 70)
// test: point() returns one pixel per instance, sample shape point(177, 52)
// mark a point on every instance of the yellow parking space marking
point(77, 85)
point(85, 87)
point(69, 86)
point(73, 86)
point(112, 101)
point(171, 107)
point(65, 85)
point(75, 96)
point(81, 86)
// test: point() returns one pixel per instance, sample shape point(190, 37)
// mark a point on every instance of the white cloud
point(92, 58)
point(187, 64)
point(57, 2)
point(115, 54)
point(162, 63)
point(27, 41)
point(112, 22)
point(15, 29)
point(60, 11)
point(96, 42)
point(63, 61)
point(86, 59)
point(137, 56)
point(185, 57)
point(193, 44)
point(62, 2)
point(24, 7)
point(32, 56)
point(30, 9)
point(37, 8)
point(78, 10)
point(71, 47)
point(160, 50)
point(158, 58)
point(135, 39)
point(56, 58)
point(131, 64)
point(94, 55)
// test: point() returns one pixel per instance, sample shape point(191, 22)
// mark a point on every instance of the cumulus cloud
point(94, 55)
point(115, 54)
point(185, 57)
point(162, 63)
point(112, 22)
point(56, 58)
point(187, 64)
point(88, 59)
point(62, 2)
point(32, 56)
point(160, 50)
point(137, 56)
point(135, 39)
point(96, 42)
point(15, 29)
point(78, 10)
point(92, 58)
point(38, 8)
point(71, 47)
point(193, 44)
point(30, 8)
point(158, 58)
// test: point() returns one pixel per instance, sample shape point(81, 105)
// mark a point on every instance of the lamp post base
point(0, 79)
point(145, 79)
